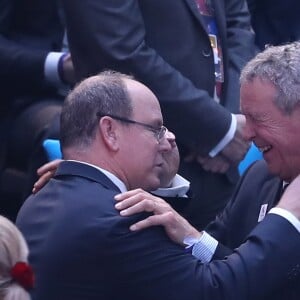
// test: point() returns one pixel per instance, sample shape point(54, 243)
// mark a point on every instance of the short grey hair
point(279, 65)
point(105, 94)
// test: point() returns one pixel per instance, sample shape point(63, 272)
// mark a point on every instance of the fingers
point(130, 198)
point(145, 205)
point(216, 164)
point(137, 201)
point(68, 69)
point(152, 221)
point(42, 181)
point(50, 166)
point(140, 201)
point(236, 149)
point(45, 172)
point(240, 120)
point(125, 195)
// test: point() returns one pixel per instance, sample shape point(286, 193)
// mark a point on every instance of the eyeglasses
point(159, 132)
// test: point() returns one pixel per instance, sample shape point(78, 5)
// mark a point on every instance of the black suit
point(164, 44)
point(81, 248)
point(257, 188)
point(29, 30)
point(275, 22)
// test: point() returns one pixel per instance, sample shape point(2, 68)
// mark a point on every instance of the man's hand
point(136, 201)
point(45, 173)
point(68, 70)
point(237, 148)
point(232, 154)
point(290, 199)
point(217, 164)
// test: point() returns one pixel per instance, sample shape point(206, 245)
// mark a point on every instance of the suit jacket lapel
point(72, 168)
point(220, 19)
point(219, 15)
point(191, 4)
point(271, 192)
point(279, 192)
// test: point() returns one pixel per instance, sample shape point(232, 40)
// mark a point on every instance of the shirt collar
point(119, 183)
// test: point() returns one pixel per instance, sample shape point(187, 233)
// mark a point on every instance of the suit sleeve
point(241, 48)
point(115, 34)
point(20, 66)
point(220, 227)
point(150, 266)
point(252, 6)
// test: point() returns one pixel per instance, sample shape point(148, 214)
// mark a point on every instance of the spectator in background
point(275, 22)
point(16, 276)
point(189, 53)
point(34, 74)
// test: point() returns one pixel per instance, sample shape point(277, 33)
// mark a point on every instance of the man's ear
point(109, 132)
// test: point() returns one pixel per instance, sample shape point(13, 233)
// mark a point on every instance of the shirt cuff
point(51, 68)
point(179, 188)
point(287, 215)
point(203, 248)
point(226, 139)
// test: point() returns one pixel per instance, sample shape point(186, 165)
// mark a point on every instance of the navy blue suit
point(232, 227)
point(81, 248)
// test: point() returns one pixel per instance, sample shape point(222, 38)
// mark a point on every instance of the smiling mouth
point(265, 149)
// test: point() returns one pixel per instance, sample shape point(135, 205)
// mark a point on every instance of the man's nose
point(166, 143)
point(170, 136)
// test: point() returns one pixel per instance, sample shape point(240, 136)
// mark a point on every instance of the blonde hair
point(13, 249)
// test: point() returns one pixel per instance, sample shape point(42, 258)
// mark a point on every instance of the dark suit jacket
point(81, 248)
point(164, 44)
point(275, 22)
point(232, 227)
point(28, 31)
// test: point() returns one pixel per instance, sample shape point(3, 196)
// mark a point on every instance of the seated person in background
point(35, 72)
point(16, 276)
point(270, 93)
point(113, 139)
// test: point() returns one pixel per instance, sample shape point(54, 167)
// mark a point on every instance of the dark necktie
point(285, 185)
point(282, 190)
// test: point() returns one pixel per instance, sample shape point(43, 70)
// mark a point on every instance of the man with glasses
point(159, 132)
point(113, 140)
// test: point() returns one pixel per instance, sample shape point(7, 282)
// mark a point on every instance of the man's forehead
point(144, 102)
point(134, 87)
